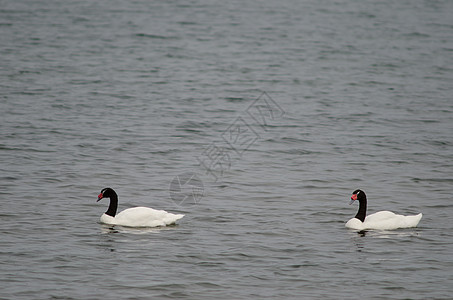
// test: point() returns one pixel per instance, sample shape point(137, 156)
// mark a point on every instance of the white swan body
point(135, 217)
point(382, 220)
point(141, 217)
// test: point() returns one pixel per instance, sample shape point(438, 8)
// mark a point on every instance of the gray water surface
point(133, 94)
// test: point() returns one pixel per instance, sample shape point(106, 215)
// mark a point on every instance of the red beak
point(100, 196)
point(353, 198)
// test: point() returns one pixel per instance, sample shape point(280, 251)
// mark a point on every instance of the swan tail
point(412, 221)
point(172, 218)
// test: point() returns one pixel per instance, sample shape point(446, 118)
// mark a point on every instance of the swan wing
point(146, 217)
point(380, 216)
point(386, 220)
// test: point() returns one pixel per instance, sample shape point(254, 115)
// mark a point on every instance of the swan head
point(106, 193)
point(357, 195)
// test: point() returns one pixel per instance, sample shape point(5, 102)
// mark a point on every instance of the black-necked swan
point(136, 216)
point(382, 220)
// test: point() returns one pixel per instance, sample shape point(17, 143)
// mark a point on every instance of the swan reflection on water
point(362, 238)
point(385, 234)
point(110, 229)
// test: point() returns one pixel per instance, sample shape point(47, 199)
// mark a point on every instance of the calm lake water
point(255, 119)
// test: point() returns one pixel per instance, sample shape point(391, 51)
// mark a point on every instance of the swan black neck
point(111, 211)
point(361, 214)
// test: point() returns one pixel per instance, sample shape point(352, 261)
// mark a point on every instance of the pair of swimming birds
point(149, 217)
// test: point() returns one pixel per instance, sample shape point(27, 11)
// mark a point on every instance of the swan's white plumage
point(384, 220)
point(141, 217)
